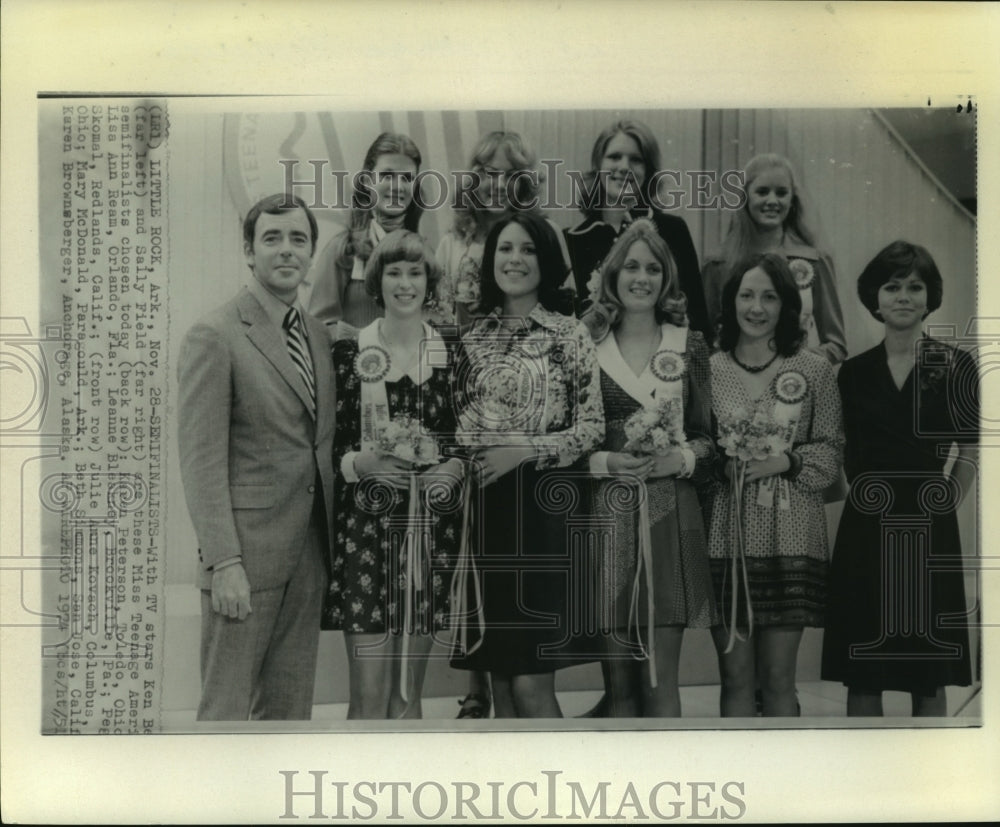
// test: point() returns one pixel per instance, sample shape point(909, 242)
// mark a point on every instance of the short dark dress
point(897, 618)
point(368, 582)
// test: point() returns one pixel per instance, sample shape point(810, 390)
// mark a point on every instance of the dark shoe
point(474, 705)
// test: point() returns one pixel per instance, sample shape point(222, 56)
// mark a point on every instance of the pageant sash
point(805, 277)
point(790, 388)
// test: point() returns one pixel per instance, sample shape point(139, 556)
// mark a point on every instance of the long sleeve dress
point(897, 607)
point(786, 548)
point(539, 388)
point(682, 585)
point(368, 587)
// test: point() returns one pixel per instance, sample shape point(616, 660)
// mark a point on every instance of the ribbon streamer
point(415, 546)
point(464, 566)
point(644, 566)
point(738, 563)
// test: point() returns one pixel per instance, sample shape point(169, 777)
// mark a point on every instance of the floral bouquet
point(655, 429)
point(747, 439)
point(403, 438)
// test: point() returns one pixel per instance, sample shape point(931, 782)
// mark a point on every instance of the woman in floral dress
point(649, 357)
point(779, 420)
point(529, 402)
point(771, 221)
point(393, 554)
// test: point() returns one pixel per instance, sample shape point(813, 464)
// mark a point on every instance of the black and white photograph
point(501, 451)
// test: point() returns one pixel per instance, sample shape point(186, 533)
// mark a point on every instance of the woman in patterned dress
point(649, 356)
point(390, 596)
point(507, 181)
point(772, 221)
point(897, 596)
point(769, 545)
point(382, 202)
point(529, 405)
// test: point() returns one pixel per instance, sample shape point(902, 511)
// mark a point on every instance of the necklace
point(753, 368)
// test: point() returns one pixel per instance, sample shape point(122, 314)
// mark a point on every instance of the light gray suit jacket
point(250, 450)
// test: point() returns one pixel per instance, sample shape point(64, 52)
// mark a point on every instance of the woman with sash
point(529, 406)
point(654, 580)
point(772, 221)
point(779, 425)
point(398, 498)
point(382, 201)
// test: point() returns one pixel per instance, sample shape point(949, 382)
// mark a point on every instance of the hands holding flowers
point(655, 439)
point(755, 442)
point(404, 447)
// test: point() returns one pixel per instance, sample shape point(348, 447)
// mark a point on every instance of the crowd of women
point(566, 446)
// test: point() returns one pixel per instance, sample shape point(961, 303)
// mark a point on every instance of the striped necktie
point(299, 351)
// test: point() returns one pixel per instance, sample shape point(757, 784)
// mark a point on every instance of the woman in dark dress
point(896, 615)
point(528, 398)
point(389, 590)
point(621, 185)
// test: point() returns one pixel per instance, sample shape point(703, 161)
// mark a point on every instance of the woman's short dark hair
point(552, 268)
point(897, 261)
point(401, 245)
point(788, 334)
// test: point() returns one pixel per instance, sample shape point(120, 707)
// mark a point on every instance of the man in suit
point(256, 420)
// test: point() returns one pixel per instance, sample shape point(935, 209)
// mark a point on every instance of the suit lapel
point(267, 339)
